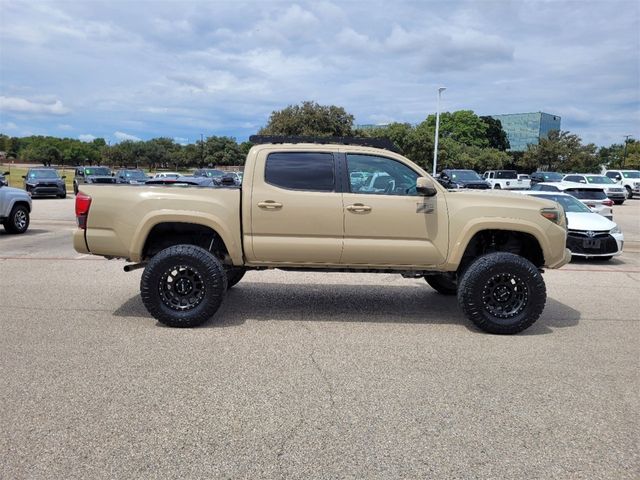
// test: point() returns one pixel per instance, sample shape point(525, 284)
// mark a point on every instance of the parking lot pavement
point(309, 375)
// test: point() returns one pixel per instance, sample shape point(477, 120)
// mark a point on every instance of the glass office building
point(527, 128)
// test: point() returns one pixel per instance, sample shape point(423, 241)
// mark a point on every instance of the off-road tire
point(234, 275)
point(497, 281)
point(442, 283)
point(204, 273)
point(18, 220)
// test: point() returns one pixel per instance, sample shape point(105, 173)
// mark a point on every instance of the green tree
point(463, 126)
point(562, 151)
point(309, 119)
point(496, 136)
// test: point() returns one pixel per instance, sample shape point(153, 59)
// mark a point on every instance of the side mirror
point(113, 174)
point(24, 176)
point(63, 177)
point(6, 173)
point(618, 177)
point(425, 186)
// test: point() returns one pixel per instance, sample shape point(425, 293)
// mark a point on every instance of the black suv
point(450, 178)
point(132, 177)
point(552, 177)
point(92, 175)
point(44, 182)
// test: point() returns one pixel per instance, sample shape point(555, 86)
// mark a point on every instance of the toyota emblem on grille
point(591, 234)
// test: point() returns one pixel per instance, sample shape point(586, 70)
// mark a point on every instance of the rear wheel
point(183, 286)
point(502, 293)
point(443, 283)
point(497, 186)
point(18, 220)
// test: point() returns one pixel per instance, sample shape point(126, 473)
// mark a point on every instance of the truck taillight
point(608, 203)
point(83, 202)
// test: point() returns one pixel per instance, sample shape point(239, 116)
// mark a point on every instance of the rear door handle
point(359, 207)
point(269, 205)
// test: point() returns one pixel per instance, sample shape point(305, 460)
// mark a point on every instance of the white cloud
point(8, 126)
point(86, 137)
point(125, 136)
point(221, 68)
point(22, 105)
point(64, 126)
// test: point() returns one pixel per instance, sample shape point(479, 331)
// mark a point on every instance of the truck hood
point(15, 193)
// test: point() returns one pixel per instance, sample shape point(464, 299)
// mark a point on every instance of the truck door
point(296, 209)
point(391, 224)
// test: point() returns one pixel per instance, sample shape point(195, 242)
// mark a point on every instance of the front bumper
point(608, 244)
point(45, 190)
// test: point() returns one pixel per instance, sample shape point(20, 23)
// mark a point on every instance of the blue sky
point(142, 69)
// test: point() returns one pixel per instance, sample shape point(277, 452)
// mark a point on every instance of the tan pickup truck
point(327, 207)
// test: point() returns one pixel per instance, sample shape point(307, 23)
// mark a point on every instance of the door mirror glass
point(425, 186)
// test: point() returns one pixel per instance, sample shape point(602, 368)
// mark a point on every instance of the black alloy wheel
point(502, 293)
point(183, 286)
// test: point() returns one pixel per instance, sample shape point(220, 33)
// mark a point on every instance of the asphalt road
point(310, 375)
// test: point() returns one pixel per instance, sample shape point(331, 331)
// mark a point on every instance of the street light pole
point(435, 146)
point(624, 155)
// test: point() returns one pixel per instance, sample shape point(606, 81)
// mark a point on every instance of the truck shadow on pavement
point(408, 304)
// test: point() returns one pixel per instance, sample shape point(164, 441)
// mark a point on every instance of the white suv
point(614, 191)
point(629, 179)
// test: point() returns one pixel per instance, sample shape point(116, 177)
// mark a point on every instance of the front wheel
point(183, 286)
point(629, 192)
point(618, 202)
point(18, 220)
point(502, 293)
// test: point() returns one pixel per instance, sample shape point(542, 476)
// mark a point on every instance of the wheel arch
point(525, 239)
point(190, 228)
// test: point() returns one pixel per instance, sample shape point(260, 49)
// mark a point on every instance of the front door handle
point(359, 207)
point(269, 205)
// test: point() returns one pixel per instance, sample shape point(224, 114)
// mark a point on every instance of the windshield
point(135, 175)
point(598, 179)
point(464, 175)
point(568, 203)
point(508, 174)
point(99, 171)
point(631, 174)
point(552, 176)
point(43, 174)
point(587, 194)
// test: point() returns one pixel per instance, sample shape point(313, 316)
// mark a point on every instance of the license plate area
point(591, 243)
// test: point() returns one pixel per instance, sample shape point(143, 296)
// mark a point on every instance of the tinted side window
point(301, 171)
point(611, 174)
point(573, 178)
